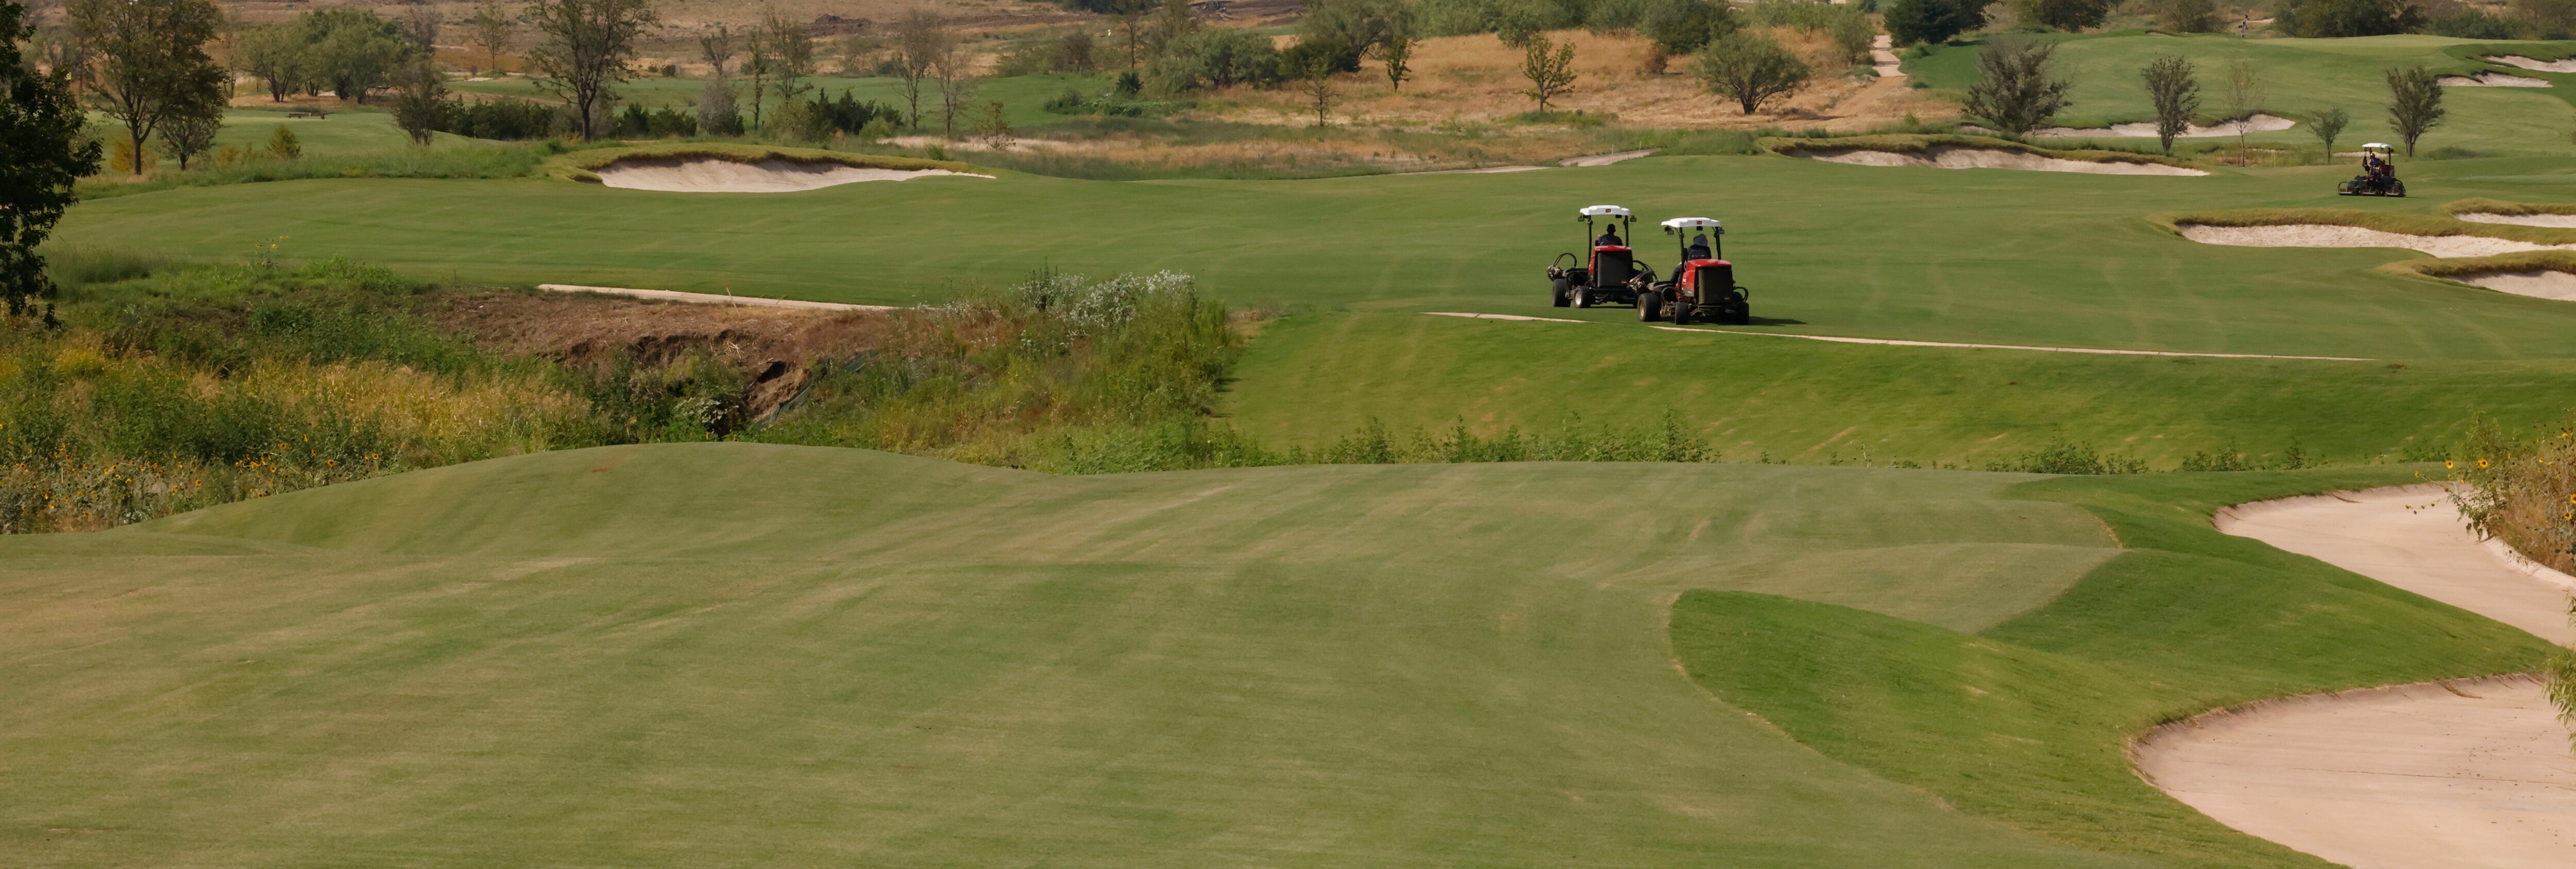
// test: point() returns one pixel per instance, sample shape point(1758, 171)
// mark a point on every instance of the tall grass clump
point(214, 384)
point(1059, 373)
point(2521, 489)
point(477, 161)
point(1669, 440)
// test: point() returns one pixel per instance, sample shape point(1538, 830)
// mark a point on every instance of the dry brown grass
point(1477, 78)
point(775, 350)
point(2522, 489)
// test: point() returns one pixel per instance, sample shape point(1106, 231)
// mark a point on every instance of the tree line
point(2018, 91)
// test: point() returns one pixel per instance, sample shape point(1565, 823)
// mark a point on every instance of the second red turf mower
point(1703, 288)
point(1610, 275)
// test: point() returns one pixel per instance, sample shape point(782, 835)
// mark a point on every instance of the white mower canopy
point(2380, 146)
point(1603, 210)
point(1680, 224)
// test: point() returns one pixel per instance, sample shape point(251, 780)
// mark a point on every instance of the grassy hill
point(738, 653)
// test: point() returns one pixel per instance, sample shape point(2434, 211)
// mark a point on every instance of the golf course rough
point(569, 657)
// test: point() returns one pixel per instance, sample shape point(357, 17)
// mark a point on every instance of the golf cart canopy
point(1602, 210)
point(1680, 224)
point(2378, 146)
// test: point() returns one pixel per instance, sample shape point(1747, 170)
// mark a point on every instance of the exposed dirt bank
point(1953, 157)
point(2332, 235)
point(776, 350)
point(708, 175)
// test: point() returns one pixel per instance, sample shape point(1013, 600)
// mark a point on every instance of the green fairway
point(730, 653)
point(338, 134)
point(2304, 76)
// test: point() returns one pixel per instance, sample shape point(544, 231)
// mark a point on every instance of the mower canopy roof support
point(1603, 211)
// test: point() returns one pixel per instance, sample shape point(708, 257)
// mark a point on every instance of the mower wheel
point(1560, 292)
point(1681, 313)
point(1650, 306)
point(1583, 297)
point(2399, 191)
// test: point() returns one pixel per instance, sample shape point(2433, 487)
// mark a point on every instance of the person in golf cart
point(2373, 166)
point(1698, 248)
point(1609, 238)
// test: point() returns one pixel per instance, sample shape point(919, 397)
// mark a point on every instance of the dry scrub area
point(775, 352)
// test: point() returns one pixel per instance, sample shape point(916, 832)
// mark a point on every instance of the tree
point(1317, 83)
point(2327, 125)
point(145, 61)
point(994, 127)
point(1173, 23)
point(956, 72)
point(2188, 16)
point(791, 48)
point(420, 100)
point(350, 49)
point(1918, 21)
point(717, 115)
point(756, 63)
point(1131, 20)
point(1751, 69)
point(2245, 93)
point(190, 133)
point(1358, 27)
point(1396, 52)
point(2067, 15)
point(275, 57)
point(1681, 27)
point(2014, 91)
point(920, 38)
point(2339, 18)
point(2415, 103)
point(490, 29)
point(2548, 19)
point(42, 156)
point(420, 28)
point(583, 49)
point(2175, 93)
point(1550, 74)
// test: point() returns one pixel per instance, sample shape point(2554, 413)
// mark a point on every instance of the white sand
point(1606, 159)
point(2328, 235)
point(2491, 80)
point(706, 175)
point(1484, 171)
point(2568, 65)
point(2536, 283)
point(2093, 350)
point(2147, 129)
point(711, 298)
point(1946, 157)
point(2464, 773)
point(2562, 220)
point(1474, 316)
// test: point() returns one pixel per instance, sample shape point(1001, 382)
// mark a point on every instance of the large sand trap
point(773, 175)
point(2147, 129)
point(2330, 235)
point(2562, 220)
point(2568, 65)
point(2468, 773)
point(2491, 80)
point(1953, 157)
point(2536, 283)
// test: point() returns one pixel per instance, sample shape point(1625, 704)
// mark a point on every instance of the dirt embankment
point(776, 350)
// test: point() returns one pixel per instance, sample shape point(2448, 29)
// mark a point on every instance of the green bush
point(1214, 58)
point(2340, 18)
point(1681, 27)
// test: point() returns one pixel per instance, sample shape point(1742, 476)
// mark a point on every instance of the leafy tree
point(791, 45)
point(420, 100)
point(2548, 19)
point(583, 50)
point(1131, 21)
point(274, 56)
point(1518, 24)
point(956, 71)
point(756, 63)
point(145, 61)
point(993, 127)
point(1358, 26)
point(1218, 58)
point(1172, 23)
point(1326, 50)
point(2339, 18)
point(1550, 75)
point(2327, 125)
point(2014, 91)
point(42, 156)
point(1751, 69)
point(2188, 16)
point(1317, 83)
point(190, 133)
point(2245, 93)
point(2415, 103)
point(717, 114)
point(490, 29)
point(1682, 26)
point(2067, 15)
point(2175, 92)
point(350, 49)
point(1918, 21)
point(283, 145)
point(920, 38)
point(1396, 53)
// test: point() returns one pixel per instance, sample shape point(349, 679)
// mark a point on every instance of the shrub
point(2522, 488)
point(1751, 69)
point(1681, 27)
point(1928, 21)
point(2188, 16)
point(1331, 54)
point(2469, 22)
point(2069, 457)
point(502, 119)
point(1217, 58)
point(283, 145)
point(2015, 91)
point(2068, 15)
point(2338, 18)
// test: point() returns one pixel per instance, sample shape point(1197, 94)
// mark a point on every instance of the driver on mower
point(1609, 275)
point(1703, 287)
point(2378, 176)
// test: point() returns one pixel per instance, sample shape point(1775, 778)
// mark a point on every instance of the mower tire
point(1560, 292)
point(1583, 297)
point(1681, 314)
point(1650, 306)
point(2399, 190)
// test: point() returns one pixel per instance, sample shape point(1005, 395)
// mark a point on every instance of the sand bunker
point(2147, 129)
point(2561, 220)
point(2329, 235)
point(1606, 159)
point(711, 298)
point(2492, 80)
point(2463, 773)
point(2536, 283)
point(773, 175)
point(2568, 65)
point(1950, 157)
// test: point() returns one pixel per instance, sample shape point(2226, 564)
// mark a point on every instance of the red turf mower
point(2378, 174)
point(1611, 276)
point(1703, 287)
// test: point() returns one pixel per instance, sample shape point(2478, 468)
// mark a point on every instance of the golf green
point(730, 653)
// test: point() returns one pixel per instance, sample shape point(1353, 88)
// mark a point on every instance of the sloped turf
point(730, 653)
